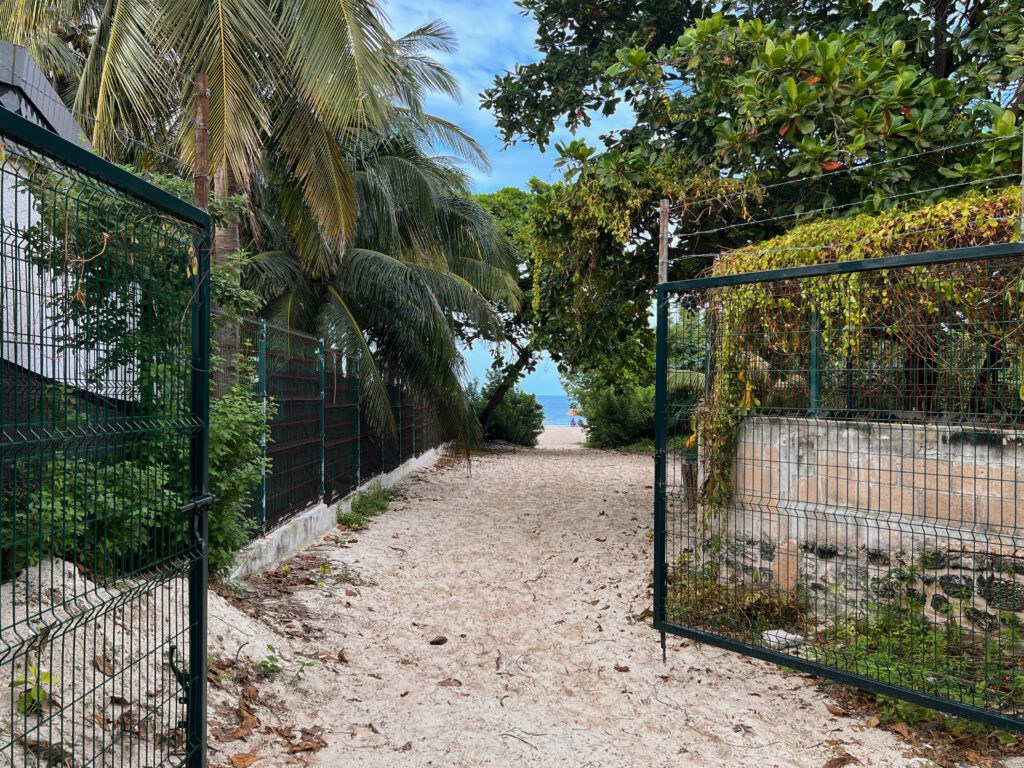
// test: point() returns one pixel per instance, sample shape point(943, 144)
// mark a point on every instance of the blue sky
point(493, 37)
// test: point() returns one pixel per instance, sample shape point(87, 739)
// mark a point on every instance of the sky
point(493, 37)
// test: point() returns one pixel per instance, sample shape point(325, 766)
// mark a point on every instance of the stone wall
point(851, 512)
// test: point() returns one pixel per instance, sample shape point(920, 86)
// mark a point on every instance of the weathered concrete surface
point(849, 513)
point(300, 531)
point(874, 485)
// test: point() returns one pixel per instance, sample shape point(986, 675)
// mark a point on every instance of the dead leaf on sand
point(243, 759)
point(901, 729)
point(840, 760)
point(837, 711)
point(451, 682)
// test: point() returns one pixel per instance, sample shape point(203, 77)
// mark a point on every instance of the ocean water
point(555, 409)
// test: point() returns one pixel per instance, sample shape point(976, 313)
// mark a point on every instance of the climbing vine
point(907, 343)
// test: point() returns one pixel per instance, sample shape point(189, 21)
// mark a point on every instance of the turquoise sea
point(555, 409)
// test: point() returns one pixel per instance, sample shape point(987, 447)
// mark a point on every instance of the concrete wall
point(302, 530)
point(876, 486)
point(853, 512)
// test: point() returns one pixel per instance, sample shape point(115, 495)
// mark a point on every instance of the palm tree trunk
point(226, 240)
point(225, 237)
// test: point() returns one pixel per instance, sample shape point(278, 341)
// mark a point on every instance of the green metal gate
point(104, 410)
point(839, 471)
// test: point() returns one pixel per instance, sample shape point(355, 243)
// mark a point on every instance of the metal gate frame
point(660, 622)
point(47, 143)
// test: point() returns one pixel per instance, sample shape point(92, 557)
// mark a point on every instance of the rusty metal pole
point(663, 244)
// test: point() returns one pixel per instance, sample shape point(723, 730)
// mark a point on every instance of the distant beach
point(556, 409)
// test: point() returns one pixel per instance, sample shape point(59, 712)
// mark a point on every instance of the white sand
point(533, 564)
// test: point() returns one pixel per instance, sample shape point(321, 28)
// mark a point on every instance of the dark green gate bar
point(840, 461)
point(104, 412)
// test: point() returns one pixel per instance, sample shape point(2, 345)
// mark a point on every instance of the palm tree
point(364, 232)
point(424, 258)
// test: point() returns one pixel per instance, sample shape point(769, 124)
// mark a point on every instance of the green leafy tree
point(518, 418)
point(577, 40)
point(751, 126)
point(516, 355)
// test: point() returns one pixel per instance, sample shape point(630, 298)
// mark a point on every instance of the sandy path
point(533, 565)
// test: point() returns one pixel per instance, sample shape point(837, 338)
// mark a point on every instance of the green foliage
point(366, 504)
point(271, 665)
point(584, 48)
point(617, 417)
point(239, 422)
point(37, 693)
point(756, 319)
point(301, 671)
point(743, 611)
point(518, 419)
point(726, 107)
point(899, 645)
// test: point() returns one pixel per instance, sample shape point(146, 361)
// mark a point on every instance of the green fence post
point(359, 428)
point(261, 391)
point(198, 506)
point(660, 441)
point(814, 374)
point(322, 486)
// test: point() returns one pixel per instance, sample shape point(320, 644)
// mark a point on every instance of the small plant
point(303, 666)
point(37, 690)
point(270, 665)
point(365, 504)
point(325, 571)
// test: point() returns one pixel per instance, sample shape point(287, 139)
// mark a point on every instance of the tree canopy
point(750, 120)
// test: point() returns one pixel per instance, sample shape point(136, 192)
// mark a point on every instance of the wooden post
point(663, 244)
point(202, 169)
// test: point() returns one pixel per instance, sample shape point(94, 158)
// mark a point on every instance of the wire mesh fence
point(341, 409)
point(840, 455)
point(293, 362)
point(320, 445)
point(103, 412)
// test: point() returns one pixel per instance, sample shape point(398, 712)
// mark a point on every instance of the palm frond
point(239, 47)
point(125, 84)
point(343, 61)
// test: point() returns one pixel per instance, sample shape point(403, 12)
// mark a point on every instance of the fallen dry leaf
point(837, 711)
point(901, 729)
point(104, 666)
point(840, 760)
point(243, 759)
point(873, 722)
point(451, 682)
point(351, 593)
point(247, 722)
point(250, 692)
point(621, 668)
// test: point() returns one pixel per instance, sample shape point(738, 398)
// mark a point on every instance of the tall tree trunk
point(226, 240)
point(511, 377)
point(225, 237)
point(942, 56)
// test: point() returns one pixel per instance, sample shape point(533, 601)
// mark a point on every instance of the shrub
point(618, 417)
point(237, 426)
point(518, 419)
